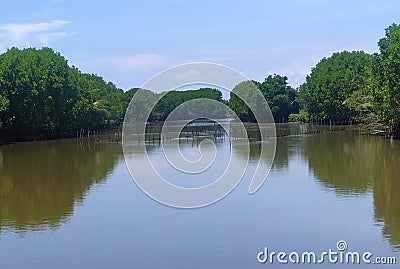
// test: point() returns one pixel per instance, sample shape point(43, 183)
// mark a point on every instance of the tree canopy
point(331, 82)
point(385, 85)
point(42, 97)
point(356, 86)
point(280, 96)
point(173, 99)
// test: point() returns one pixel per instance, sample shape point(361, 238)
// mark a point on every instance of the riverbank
point(70, 192)
point(153, 131)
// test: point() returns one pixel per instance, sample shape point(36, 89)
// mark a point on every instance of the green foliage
point(143, 104)
point(159, 106)
point(126, 99)
point(357, 86)
point(43, 97)
point(36, 83)
point(385, 85)
point(378, 105)
point(248, 91)
point(4, 103)
point(331, 82)
point(302, 116)
point(173, 99)
point(362, 104)
point(280, 98)
point(106, 101)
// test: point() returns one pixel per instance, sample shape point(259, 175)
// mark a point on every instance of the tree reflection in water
point(357, 164)
point(40, 182)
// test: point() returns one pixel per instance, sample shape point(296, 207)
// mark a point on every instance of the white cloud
point(31, 34)
point(136, 62)
point(190, 74)
point(47, 38)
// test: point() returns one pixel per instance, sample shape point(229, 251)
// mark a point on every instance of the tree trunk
point(396, 130)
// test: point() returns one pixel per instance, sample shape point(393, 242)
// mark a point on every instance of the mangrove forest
point(43, 97)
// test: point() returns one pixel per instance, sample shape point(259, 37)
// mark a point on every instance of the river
point(73, 204)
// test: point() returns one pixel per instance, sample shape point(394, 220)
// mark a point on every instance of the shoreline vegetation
point(42, 97)
point(196, 133)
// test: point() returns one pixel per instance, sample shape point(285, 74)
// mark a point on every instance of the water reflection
point(358, 164)
point(386, 186)
point(40, 182)
point(349, 163)
point(284, 150)
point(346, 162)
point(341, 161)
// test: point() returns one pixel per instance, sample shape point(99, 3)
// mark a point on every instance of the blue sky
point(127, 42)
